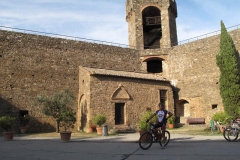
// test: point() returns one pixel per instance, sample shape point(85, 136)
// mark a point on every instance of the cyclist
point(163, 115)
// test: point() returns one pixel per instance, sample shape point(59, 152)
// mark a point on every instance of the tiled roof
point(96, 71)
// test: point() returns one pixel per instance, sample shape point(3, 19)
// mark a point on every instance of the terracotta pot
point(99, 130)
point(65, 136)
point(171, 126)
point(23, 129)
point(141, 132)
point(8, 136)
point(90, 130)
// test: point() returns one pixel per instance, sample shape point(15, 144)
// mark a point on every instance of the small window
point(163, 96)
point(23, 113)
point(154, 66)
point(214, 106)
point(149, 109)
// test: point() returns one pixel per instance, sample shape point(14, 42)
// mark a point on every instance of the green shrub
point(67, 119)
point(171, 120)
point(222, 117)
point(142, 123)
point(6, 122)
point(99, 119)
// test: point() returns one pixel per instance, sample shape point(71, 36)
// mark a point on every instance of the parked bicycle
point(154, 134)
point(233, 132)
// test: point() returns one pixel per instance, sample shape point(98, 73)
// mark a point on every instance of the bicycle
point(233, 132)
point(225, 129)
point(154, 134)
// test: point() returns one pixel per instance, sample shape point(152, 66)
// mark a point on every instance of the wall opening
point(23, 113)
point(154, 66)
point(214, 106)
point(163, 97)
point(152, 29)
point(119, 113)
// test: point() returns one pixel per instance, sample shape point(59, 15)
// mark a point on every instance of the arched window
point(154, 64)
point(152, 30)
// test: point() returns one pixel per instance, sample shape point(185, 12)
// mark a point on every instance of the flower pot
point(23, 129)
point(99, 130)
point(90, 130)
point(141, 132)
point(171, 126)
point(8, 136)
point(65, 136)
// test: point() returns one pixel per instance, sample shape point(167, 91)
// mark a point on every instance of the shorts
point(160, 124)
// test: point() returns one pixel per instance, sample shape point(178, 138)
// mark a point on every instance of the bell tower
point(151, 23)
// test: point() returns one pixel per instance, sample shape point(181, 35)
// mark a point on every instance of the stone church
point(121, 83)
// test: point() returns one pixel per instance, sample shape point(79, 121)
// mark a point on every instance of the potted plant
point(99, 120)
point(6, 123)
point(171, 121)
point(143, 125)
point(67, 119)
point(24, 123)
point(92, 127)
point(59, 106)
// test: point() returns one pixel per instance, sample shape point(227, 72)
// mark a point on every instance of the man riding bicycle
point(163, 115)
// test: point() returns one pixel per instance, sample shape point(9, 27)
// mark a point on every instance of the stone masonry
point(107, 78)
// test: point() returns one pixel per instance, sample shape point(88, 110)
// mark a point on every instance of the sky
point(105, 20)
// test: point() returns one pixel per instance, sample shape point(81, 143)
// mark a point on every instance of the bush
point(171, 120)
point(6, 122)
point(67, 119)
point(222, 117)
point(142, 123)
point(99, 119)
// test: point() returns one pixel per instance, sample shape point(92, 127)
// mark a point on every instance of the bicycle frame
point(154, 134)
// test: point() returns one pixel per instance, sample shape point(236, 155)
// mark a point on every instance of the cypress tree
point(229, 79)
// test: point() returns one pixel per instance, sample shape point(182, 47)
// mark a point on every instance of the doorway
point(119, 113)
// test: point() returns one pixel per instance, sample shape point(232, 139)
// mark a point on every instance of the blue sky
point(104, 20)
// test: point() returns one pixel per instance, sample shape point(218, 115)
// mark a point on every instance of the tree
point(230, 75)
point(59, 106)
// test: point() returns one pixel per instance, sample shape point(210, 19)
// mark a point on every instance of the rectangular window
point(214, 106)
point(149, 109)
point(163, 96)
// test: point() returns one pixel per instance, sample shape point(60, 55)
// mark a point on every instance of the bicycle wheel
point(233, 134)
point(165, 140)
point(225, 133)
point(145, 141)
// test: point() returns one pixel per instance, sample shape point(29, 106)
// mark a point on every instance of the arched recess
point(182, 110)
point(152, 28)
point(120, 98)
point(83, 114)
point(154, 64)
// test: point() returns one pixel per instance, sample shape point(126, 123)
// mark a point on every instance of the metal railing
point(207, 35)
point(110, 43)
point(62, 36)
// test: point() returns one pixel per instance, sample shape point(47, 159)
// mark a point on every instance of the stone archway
point(83, 114)
point(182, 110)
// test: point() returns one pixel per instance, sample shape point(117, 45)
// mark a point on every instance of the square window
point(214, 106)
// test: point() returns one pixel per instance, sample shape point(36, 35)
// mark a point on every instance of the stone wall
point(140, 95)
point(34, 65)
point(192, 69)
